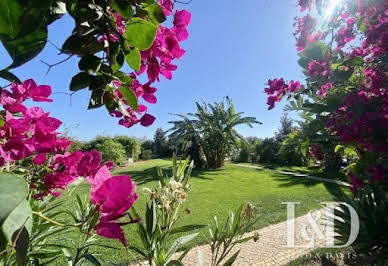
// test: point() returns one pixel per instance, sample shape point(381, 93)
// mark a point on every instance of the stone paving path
point(271, 247)
point(341, 183)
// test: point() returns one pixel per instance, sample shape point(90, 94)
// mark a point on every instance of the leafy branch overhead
point(107, 36)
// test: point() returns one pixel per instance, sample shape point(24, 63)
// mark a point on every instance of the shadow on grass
point(151, 174)
point(289, 180)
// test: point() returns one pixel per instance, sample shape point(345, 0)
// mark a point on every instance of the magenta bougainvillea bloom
point(34, 134)
point(156, 61)
point(147, 120)
point(167, 6)
point(112, 196)
point(181, 21)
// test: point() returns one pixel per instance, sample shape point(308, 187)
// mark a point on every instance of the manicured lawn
point(216, 192)
point(309, 170)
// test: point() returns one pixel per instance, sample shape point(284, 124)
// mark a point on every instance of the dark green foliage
point(23, 33)
point(267, 150)
point(162, 149)
point(290, 152)
point(371, 205)
point(146, 155)
point(212, 127)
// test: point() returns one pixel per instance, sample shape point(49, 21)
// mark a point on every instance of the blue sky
point(233, 48)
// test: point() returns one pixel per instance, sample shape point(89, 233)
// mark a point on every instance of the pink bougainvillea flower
point(293, 86)
point(167, 6)
point(181, 21)
point(114, 196)
point(39, 159)
point(111, 230)
point(147, 120)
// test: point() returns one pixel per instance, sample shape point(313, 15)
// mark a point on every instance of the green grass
point(308, 170)
point(216, 192)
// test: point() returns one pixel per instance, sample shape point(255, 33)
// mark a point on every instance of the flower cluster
point(315, 152)
point(359, 118)
point(304, 31)
point(318, 68)
point(277, 89)
point(156, 61)
point(30, 134)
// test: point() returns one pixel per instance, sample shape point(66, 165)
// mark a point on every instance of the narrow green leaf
point(68, 257)
point(180, 241)
point(187, 228)
point(93, 260)
point(5, 74)
point(130, 97)
point(231, 260)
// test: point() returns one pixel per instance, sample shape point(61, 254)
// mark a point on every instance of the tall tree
point(160, 142)
point(285, 128)
point(212, 127)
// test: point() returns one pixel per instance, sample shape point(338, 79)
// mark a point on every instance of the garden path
point(269, 249)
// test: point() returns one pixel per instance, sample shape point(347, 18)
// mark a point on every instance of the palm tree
point(212, 127)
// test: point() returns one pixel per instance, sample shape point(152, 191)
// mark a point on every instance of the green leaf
point(180, 241)
point(137, 250)
point(355, 61)
point(68, 257)
point(140, 33)
point(96, 99)
point(155, 14)
point(81, 45)
point(19, 217)
point(123, 8)
point(175, 262)
point(11, 12)
point(89, 63)
point(45, 254)
point(187, 228)
point(338, 148)
point(133, 59)
point(130, 97)
point(316, 51)
point(25, 48)
point(80, 81)
point(91, 259)
point(231, 260)
point(22, 244)
point(13, 190)
point(5, 74)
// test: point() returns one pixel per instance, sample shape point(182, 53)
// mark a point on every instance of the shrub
point(111, 151)
point(131, 146)
point(146, 155)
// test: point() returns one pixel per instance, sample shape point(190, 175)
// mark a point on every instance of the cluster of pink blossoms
point(155, 61)
point(30, 133)
point(277, 88)
point(315, 152)
point(363, 114)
